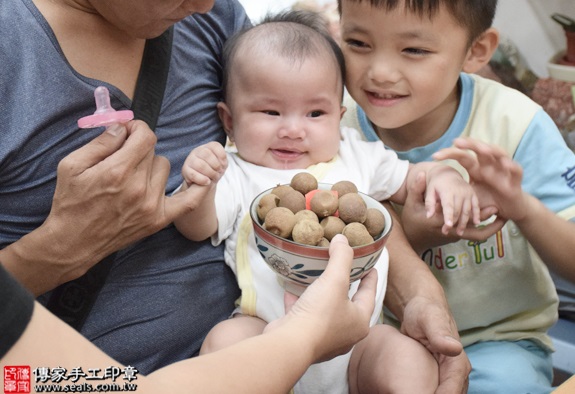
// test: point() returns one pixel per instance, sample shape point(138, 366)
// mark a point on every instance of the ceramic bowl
point(560, 71)
point(298, 265)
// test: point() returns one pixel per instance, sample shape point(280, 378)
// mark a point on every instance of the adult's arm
point(417, 299)
point(109, 194)
point(323, 323)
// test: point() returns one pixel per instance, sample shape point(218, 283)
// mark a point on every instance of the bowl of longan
point(294, 223)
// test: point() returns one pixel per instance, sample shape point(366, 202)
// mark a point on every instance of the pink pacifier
point(105, 115)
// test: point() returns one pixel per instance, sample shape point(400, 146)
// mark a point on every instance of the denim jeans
point(509, 368)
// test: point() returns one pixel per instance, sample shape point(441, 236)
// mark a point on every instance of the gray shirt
point(164, 293)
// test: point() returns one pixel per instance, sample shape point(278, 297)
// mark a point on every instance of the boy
point(408, 70)
point(282, 111)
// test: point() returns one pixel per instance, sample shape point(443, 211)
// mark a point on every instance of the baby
point(283, 87)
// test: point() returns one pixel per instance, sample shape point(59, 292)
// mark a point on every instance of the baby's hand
point(205, 164)
point(494, 175)
point(458, 199)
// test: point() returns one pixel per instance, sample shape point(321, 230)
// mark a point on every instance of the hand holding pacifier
point(105, 115)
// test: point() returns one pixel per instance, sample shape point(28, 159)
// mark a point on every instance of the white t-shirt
point(373, 169)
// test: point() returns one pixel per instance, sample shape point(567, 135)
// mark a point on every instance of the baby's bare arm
point(446, 191)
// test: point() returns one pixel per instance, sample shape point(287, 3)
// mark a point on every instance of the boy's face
point(402, 68)
point(283, 114)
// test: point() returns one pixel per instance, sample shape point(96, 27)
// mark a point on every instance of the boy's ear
point(226, 118)
point(481, 51)
point(342, 111)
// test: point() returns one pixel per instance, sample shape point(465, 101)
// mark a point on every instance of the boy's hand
point(205, 164)
point(458, 200)
point(494, 175)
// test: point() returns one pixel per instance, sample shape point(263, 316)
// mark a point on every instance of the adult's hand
point(109, 193)
point(424, 233)
point(429, 321)
point(324, 311)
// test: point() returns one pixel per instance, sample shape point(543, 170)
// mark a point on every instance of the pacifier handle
point(104, 115)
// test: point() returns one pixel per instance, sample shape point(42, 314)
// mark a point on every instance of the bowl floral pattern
point(301, 264)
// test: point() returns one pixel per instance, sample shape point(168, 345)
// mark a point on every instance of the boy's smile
point(384, 99)
point(403, 69)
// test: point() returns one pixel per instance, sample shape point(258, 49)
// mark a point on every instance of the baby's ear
point(481, 51)
point(342, 111)
point(226, 118)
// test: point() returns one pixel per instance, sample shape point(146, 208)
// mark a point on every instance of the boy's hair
point(474, 15)
point(295, 35)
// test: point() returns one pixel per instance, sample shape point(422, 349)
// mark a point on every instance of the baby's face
point(402, 68)
point(285, 114)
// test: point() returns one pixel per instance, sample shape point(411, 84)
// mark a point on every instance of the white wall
point(527, 23)
point(256, 9)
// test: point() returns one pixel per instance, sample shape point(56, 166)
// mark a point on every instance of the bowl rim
point(359, 251)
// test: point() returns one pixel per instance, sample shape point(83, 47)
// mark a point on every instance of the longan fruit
point(374, 222)
point(324, 203)
point(344, 187)
point(266, 203)
point(332, 225)
point(306, 214)
point(352, 208)
point(307, 232)
point(280, 221)
point(293, 200)
point(281, 190)
point(357, 234)
point(304, 182)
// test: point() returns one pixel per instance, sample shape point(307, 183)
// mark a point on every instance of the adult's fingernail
point(114, 129)
point(340, 238)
